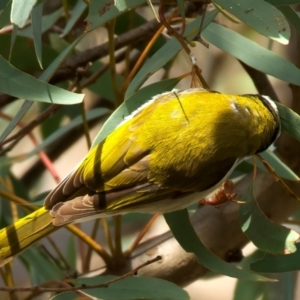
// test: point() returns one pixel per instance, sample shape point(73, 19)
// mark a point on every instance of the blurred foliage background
point(66, 66)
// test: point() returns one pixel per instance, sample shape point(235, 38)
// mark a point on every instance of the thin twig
point(82, 287)
point(118, 240)
point(43, 156)
point(28, 128)
point(107, 234)
point(277, 178)
point(141, 235)
point(88, 257)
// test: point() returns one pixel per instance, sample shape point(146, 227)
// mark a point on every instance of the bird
point(171, 152)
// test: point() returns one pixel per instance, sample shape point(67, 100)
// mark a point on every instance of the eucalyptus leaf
point(271, 263)
point(78, 10)
point(265, 234)
point(47, 22)
point(131, 288)
point(251, 53)
point(40, 267)
point(186, 236)
point(36, 18)
point(291, 16)
point(31, 84)
point(290, 121)
point(250, 290)
point(3, 4)
point(261, 16)
point(5, 15)
point(181, 6)
point(21, 85)
point(20, 11)
point(101, 12)
point(283, 2)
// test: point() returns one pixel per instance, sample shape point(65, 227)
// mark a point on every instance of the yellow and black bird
point(171, 152)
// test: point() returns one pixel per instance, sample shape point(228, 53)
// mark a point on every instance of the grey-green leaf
point(251, 53)
point(265, 234)
point(131, 288)
point(186, 236)
point(290, 121)
point(36, 18)
point(291, 16)
point(20, 11)
point(21, 85)
point(78, 10)
point(101, 12)
point(261, 16)
point(278, 263)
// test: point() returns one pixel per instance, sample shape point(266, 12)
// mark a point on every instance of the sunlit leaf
point(290, 121)
point(261, 16)
point(265, 234)
point(20, 11)
point(251, 53)
point(186, 236)
point(278, 263)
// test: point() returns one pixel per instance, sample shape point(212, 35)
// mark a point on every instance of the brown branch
point(132, 37)
point(82, 287)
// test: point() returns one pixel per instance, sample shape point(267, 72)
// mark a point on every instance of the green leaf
point(46, 75)
point(265, 234)
point(250, 290)
point(3, 4)
point(278, 263)
point(281, 169)
point(290, 121)
point(102, 11)
point(47, 22)
point(36, 18)
point(13, 123)
point(21, 85)
point(283, 2)
point(20, 11)
point(261, 16)
point(251, 53)
point(78, 10)
point(132, 288)
point(131, 104)
point(166, 53)
point(291, 16)
point(186, 236)
point(180, 4)
point(5, 15)
point(71, 255)
point(40, 267)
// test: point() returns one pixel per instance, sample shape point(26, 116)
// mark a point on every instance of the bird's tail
point(18, 236)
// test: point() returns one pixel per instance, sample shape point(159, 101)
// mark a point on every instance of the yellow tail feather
point(18, 236)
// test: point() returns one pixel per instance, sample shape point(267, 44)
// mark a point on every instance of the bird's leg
point(224, 194)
